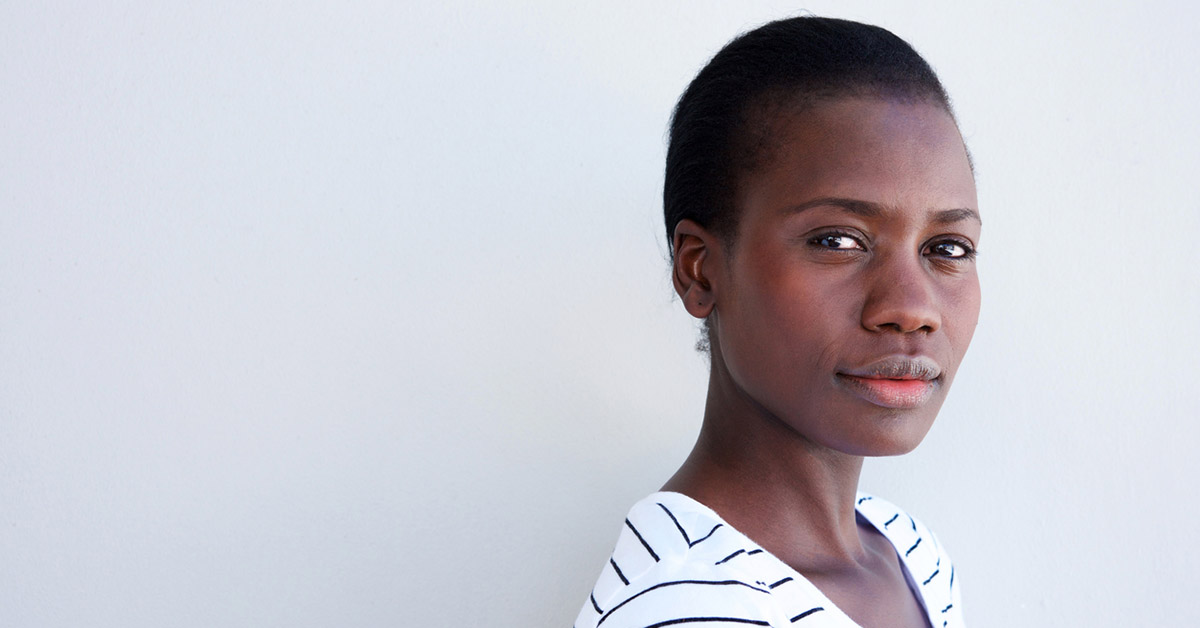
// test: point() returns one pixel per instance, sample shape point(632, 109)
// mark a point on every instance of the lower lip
point(891, 393)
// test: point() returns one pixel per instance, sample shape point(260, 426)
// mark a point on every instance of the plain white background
point(358, 314)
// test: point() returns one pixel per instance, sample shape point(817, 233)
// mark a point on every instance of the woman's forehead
point(877, 151)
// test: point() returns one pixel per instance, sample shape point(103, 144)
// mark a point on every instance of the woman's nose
point(901, 297)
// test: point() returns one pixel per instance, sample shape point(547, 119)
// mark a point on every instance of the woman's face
point(850, 294)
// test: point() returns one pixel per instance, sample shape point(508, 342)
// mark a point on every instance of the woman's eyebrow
point(854, 206)
point(946, 216)
point(868, 209)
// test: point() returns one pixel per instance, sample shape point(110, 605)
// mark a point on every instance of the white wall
point(357, 314)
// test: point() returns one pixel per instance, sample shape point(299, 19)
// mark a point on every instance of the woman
point(821, 211)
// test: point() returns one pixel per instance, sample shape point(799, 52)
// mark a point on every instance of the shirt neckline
point(830, 607)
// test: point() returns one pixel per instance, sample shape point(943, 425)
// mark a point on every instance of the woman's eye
point(836, 241)
point(953, 250)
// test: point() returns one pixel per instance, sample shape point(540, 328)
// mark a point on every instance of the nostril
point(903, 329)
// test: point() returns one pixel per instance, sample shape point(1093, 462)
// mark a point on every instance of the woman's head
point(827, 235)
point(722, 126)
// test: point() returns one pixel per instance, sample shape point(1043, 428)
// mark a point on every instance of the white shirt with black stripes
point(677, 563)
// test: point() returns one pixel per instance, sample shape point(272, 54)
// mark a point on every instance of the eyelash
point(969, 252)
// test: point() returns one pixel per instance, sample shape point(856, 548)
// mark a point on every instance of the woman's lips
point(894, 381)
point(890, 393)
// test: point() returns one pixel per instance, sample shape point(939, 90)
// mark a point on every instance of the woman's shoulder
point(677, 561)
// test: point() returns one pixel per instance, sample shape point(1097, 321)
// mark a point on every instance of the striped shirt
point(677, 563)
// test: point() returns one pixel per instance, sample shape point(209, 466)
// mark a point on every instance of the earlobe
point(695, 250)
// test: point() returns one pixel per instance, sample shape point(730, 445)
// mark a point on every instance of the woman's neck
point(790, 495)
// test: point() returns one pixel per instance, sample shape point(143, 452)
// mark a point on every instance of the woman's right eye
point(837, 241)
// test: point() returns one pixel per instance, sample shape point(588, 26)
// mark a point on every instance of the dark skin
point(853, 261)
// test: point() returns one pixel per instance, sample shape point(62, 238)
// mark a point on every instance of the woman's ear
point(696, 260)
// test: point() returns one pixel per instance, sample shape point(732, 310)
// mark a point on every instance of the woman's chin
point(886, 438)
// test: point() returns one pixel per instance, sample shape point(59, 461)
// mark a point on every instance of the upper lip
point(897, 367)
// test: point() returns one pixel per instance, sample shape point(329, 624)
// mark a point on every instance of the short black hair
point(718, 130)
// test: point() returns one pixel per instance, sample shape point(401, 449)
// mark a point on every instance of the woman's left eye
point(951, 250)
